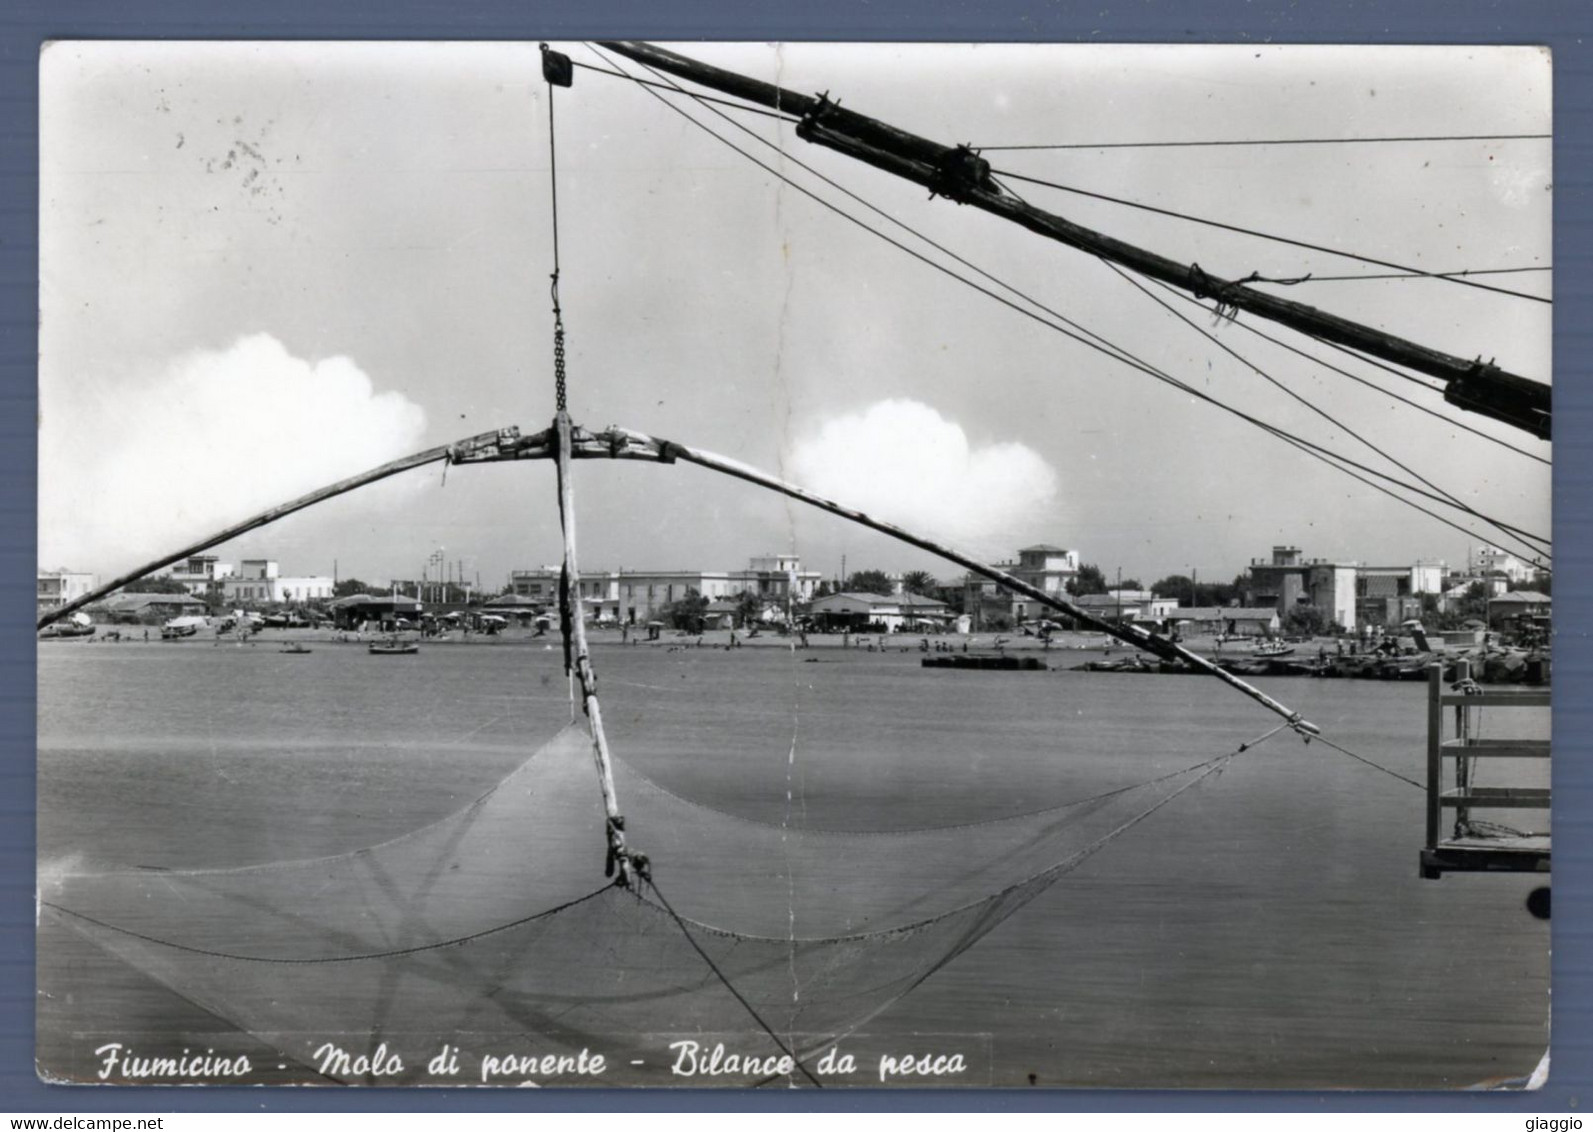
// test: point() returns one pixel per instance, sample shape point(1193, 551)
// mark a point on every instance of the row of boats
point(392, 646)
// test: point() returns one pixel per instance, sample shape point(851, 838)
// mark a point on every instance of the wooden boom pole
point(959, 173)
point(616, 443)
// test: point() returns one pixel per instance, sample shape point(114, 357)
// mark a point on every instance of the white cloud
point(127, 473)
point(902, 461)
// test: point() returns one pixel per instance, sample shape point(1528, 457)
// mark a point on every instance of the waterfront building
point(200, 573)
point(58, 587)
point(259, 581)
point(1140, 607)
point(1226, 621)
point(1507, 610)
point(1045, 567)
point(1488, 560)
point(378, 611)
point(637, 596)
point(890, 613)
point(150, 609)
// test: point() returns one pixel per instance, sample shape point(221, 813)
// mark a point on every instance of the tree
point(348, 587)
point(1128, 584)
point(159, 584)
point(1179, 586)
point(1475, 602)
point(687, 613)
point(1089, 580)
point(1190, 592)
point(920, 582)
point(748, 607)
point(1304, 621)
point(825, 589)
point(869, 582)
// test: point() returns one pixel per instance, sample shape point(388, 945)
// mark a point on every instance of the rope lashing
point(644, 872)
point(1203, 286)
point(560, 383)
point(614, 828)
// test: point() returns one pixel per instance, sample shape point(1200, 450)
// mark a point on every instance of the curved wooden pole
point(614, 443)
point(475, 446)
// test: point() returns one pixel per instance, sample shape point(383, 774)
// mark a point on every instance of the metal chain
point(559, 382)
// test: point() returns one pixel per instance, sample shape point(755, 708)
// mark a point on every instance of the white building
point(637, 596)
point(58, 587)
point(199, 572)
point(1045, 567)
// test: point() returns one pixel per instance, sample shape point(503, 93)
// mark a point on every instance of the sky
point(267, 266)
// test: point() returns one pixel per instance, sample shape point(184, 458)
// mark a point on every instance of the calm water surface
point(1267, 929)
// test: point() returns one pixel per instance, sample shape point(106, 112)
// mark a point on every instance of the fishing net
point(496, 929)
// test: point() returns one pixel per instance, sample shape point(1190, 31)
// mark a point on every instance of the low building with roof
point(150, 609)
point(1227, 621)
point(1506, 610)
point(1047, 568)
point(259, 581)
point(638, 596)
point(1139, 607)
point(57, 587)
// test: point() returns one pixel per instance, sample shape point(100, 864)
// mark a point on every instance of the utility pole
point(960, 174)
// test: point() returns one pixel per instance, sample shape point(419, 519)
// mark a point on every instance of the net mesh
point(497, 922)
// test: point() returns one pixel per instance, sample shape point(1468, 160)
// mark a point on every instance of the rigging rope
point(1269, 236)
point(559, 385)
point(646, 874)
point(1314, 278)
point(1357, 378)
point(1447, 496)
point(1370, 763)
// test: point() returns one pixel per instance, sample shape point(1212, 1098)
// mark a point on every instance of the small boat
point(297, 649)
point(1277, 648)
point(393, 648)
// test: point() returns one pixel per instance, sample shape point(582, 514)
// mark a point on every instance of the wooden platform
point(987, 663)
point(1486, 855)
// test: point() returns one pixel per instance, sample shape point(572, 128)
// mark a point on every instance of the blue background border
point(1566, 27)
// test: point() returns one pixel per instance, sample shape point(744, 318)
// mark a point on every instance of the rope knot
point(815, 116)
point(614, 827)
